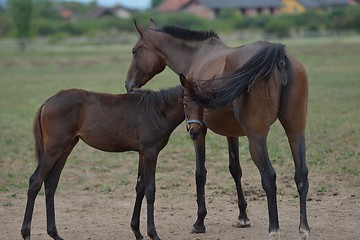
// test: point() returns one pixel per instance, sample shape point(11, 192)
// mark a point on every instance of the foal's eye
point(133, 51)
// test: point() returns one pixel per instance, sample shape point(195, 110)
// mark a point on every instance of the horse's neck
point(180, 54)
point(198, 57)
point(177, 59)
point(209, 61)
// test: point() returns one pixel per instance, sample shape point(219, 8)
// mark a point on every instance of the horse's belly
point(223, 122)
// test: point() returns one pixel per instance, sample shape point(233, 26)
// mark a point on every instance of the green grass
point(333, 142)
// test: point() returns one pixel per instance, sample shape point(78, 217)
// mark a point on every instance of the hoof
point(242, 223)
point(304, 234)
point(274, 235)
point(25, 233)
point(139, 237)
point(198, 229)
point(155, 238)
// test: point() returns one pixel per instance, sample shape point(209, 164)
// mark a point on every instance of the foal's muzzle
point(194, 132)
point(190, 121)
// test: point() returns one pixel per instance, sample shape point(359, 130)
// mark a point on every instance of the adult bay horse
point(141, 121)
point(203, 55)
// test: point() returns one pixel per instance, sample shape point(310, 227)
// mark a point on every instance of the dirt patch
point(93, 215)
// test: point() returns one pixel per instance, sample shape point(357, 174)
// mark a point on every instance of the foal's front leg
point(236, 173)
point(140, 192)
point(200, 177)
point(150, 159)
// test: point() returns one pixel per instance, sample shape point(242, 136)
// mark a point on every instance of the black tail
point(221, 91)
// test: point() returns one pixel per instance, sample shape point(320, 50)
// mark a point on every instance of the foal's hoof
point(304, 234)
point(198, 229)
point(275, 235)
point(242, 223)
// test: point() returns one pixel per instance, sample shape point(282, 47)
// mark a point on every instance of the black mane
point(187, 34)
point(161, 100)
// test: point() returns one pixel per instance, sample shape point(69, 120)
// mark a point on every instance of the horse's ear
point(139, 28)
point(152, 24)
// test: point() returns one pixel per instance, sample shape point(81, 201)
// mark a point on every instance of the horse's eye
point(133, 51)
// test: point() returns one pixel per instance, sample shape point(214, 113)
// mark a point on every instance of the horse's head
point(193, 111)
point(146, 61)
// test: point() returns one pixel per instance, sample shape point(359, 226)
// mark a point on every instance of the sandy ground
point(89, 215)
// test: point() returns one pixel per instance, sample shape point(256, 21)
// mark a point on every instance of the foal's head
point(193, 111)
point(146, 62)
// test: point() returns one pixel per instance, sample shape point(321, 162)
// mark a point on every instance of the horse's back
point(240, 55)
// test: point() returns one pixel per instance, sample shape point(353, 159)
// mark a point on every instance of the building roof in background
point(322, 3)
point(241, 4)
point(171, 5)
point(117, 11)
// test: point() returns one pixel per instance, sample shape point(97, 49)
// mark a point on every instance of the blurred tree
point(155, 3)
point(21, 14)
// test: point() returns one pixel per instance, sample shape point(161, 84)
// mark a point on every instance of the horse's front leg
point(140, 192)
point(236, 173)
point(150, 159)
point(200, 177)
point(259, 154)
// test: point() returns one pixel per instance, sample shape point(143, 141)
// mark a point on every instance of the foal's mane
point(160, 100)
point(187, 34)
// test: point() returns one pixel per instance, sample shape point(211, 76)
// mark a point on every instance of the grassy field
point(333, 140)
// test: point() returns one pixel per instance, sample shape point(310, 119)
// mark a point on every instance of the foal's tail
point(221, 91)
point(38, 136)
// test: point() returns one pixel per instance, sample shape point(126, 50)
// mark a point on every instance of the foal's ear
point(152, 24)
point(186, 83)
point(139, 28)
point(183, 80)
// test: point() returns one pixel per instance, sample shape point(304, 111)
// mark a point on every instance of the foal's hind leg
point(37, 178)
point(34, 187)
point(140, 192)
point(236, 173)
point(51, 183)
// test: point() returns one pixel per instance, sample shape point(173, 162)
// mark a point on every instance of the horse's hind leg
point(259, 154)
point(236, 173)
point(140, 192)
point(292, 115)
point(51, 183)
point(295, 129)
